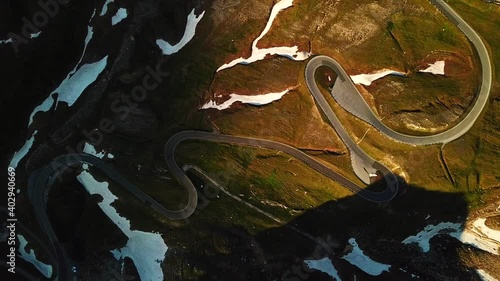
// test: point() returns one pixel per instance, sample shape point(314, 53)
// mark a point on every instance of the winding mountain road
point(38, 183)
point(37, 192)
point(344, 92)
point(178, 173)
point(347, 95)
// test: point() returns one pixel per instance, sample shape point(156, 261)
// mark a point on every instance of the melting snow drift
point(120, 15)
point(19, 155)
point(256, 100)
point(192, 22)
point(72, 87)
point(90, 149)
point(30, 257)
point(105, 7)
point(436, 68)
point(35, 35)
point(324, 265)
point(48, 102)
point(6, 41)
point(367, 79)
point(259, 54)
point(357, 258)
point(479, 236)
point(147, 250)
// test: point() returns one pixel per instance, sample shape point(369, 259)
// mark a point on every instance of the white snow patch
point(278, 7)
point(116, 254)
point(147, 250)
point(357, 258)
point(192, 22)
point(72, 87)
point(424, 236)
point(10, 40)
point(30, 257)
point(256, 100)
point(120, 15)
point(480, 226)
point(6, 41)
point(90, 149)
point(324, 265)
point(48, 102)
point(105, 7)
point(367, 79)
point(436, 68)
point(18, 155)
point(259, 54)
point(485, 276)
point(88, 37)
point(43, 107)
point(479, 235)
point(35, 35)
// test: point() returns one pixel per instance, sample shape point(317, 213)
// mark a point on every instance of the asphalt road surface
point(346, 94)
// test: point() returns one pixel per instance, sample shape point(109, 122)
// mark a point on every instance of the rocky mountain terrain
point(145, 96)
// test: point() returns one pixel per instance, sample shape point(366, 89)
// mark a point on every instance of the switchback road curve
point(178, 173)
point(347, 95)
